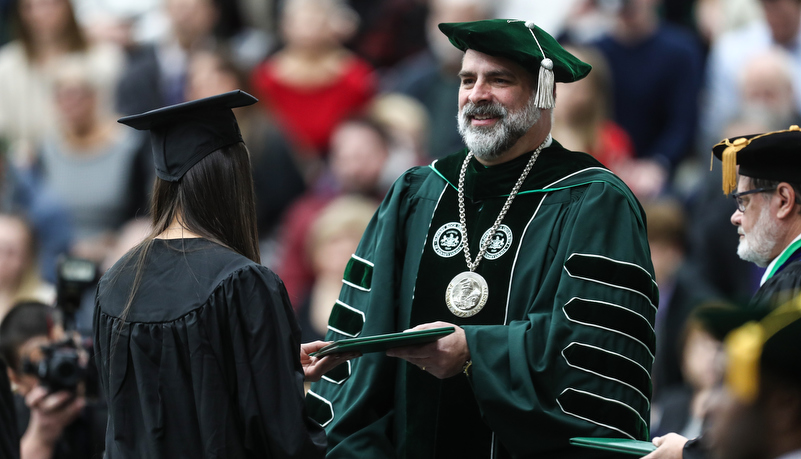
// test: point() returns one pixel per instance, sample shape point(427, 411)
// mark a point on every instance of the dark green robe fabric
point(563, 348)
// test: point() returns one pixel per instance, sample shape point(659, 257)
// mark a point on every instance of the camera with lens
point(62, 366)
point(64, 363)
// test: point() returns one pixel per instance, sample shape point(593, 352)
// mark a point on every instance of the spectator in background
point(736, 49)
point(332, 239)
point(581, 120)
point(19, 271)
point(21, 193)
point(359, 151)
point(48, 37)
point(101, 171)
point(681, 290)
point(389, 30)
point(716, 17)
point(57, 424)
point(155, 74)
point(656, 74)
point(314, 82)
point(430, 76)
point(406, 122)
point(589, 20)
point(766, 91)
point(276, 176)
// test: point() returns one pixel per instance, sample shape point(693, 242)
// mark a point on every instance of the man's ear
point(787, 204)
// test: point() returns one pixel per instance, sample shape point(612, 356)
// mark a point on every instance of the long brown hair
point(214, 199)
point(72, 35)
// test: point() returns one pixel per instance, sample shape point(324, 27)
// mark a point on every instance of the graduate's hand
point(670, 446)
point(443, 358)
point(313, 367)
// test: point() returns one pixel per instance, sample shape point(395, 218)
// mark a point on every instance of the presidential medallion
point(467, 294)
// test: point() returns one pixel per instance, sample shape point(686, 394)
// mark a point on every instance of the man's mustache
point(493, 110)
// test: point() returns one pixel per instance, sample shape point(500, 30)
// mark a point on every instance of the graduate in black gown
point(196, 342)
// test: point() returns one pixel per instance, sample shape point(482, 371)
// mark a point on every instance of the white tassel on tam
point(544, 98)
point(545, 80)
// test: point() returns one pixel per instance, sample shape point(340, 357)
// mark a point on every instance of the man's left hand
point(443, 358)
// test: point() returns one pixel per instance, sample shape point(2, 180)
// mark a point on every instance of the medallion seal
point(466, 294)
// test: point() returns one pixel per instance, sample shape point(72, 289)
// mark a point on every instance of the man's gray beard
point(490, 142)
point(757, 246)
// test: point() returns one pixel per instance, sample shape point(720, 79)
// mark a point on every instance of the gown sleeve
point(577, 360)
point(264, 365)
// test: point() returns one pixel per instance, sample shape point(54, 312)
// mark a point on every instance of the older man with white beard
point(768, 220)
point(559, 341)
point(768, 217)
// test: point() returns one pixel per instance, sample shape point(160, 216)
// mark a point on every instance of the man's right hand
point(50, 414)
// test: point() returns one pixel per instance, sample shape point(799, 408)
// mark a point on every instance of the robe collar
point(790, 254)
point(482, 182)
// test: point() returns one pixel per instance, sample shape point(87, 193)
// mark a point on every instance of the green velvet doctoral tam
point(563, 348)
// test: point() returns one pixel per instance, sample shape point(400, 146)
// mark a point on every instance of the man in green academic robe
point(538, 257)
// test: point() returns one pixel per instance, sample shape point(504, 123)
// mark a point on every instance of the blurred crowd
point(354, 92)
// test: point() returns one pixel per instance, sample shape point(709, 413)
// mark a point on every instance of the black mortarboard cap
point(770, 156)
point(183, 134)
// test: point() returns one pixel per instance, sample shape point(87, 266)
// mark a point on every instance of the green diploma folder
point(620, 445)
point(380, 343)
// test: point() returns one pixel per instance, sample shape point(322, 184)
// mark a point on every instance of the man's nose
point(480, 93)
point(736, 217)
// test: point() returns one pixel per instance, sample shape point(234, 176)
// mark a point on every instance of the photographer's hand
point(50, 414)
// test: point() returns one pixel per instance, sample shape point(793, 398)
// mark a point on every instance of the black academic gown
point(206, 362)
point(781, 287)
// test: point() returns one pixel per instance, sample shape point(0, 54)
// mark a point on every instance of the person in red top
point(314, 82)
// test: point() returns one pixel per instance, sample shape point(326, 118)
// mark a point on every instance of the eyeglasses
point(738, 197)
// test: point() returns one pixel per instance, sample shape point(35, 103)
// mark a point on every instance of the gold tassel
point(744, 349)
point(729, 160)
